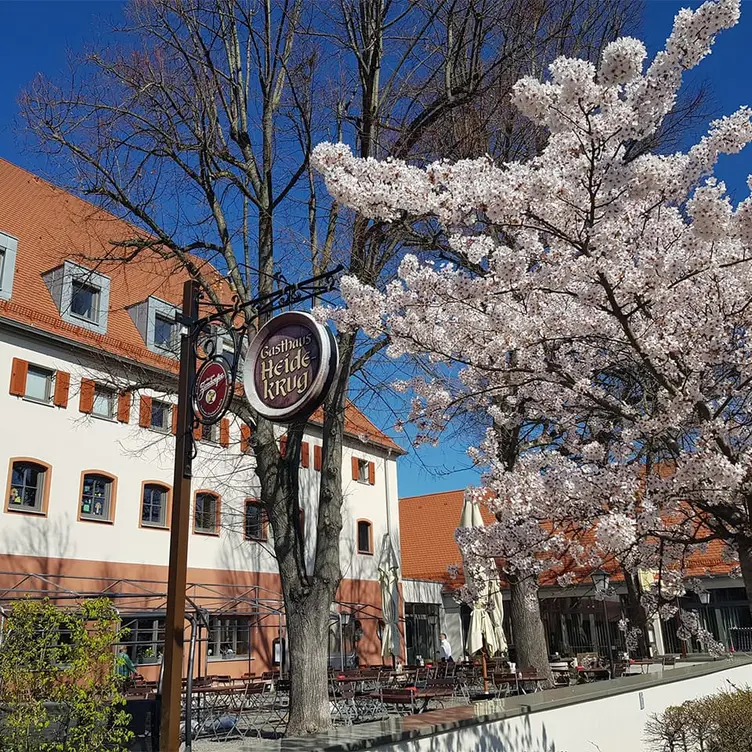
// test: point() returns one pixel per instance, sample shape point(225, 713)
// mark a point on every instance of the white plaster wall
point(610, 724)
point(422, 591)
point(71, 442)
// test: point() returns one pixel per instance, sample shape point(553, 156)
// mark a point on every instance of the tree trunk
point(637, 616)
point(527, 627)
point(307, 627)
point(745, 564)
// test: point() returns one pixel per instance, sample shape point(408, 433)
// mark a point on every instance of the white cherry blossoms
point(597, 310)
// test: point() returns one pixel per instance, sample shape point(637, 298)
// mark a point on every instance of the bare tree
point(198, 130)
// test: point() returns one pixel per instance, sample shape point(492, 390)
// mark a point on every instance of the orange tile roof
point(428, 522)
point(52, 226)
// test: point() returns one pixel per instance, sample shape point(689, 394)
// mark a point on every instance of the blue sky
point(39, 35)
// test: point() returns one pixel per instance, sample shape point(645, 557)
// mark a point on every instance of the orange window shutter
point(86, 396)
point(245, 438)
point(304, 461)
point(371, 474)
point(144, 412)
point(62, 387)
point(197, 433)
point(224, 432)
point(18, 372)
point(317, 457)
point(124, 407)
point(355, 473)
point(174, 420)
point(283, 446)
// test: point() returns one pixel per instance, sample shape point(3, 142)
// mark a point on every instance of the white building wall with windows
point(71, 442)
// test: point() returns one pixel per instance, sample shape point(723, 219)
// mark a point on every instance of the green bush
point(718, 723)
point(59, 688)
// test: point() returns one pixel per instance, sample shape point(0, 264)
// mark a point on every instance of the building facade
point(575, 620)
point(87, 374)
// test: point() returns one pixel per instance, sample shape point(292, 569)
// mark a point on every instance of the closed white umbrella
point(388, 578)
point(488, 610)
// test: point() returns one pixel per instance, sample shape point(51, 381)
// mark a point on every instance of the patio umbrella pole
point(485, 667)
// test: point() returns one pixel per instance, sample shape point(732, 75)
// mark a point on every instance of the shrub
point(718, 723)
point(59, 688)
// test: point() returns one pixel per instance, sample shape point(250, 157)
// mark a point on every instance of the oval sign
point(211, 393)
point(290, 366)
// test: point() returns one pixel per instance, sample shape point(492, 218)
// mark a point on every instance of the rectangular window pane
point(153, 509)
point(363, 471)
point(160, 415)
point(364, 537)
point(206, 508)
point(84, 300)
point(27, 486)
point(2, 263)
point(39, 384)
point(254, 526)
point(95, 497)
point(104, 403)
point(163, 329)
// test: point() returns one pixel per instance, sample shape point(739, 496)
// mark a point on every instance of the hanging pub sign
point(212, 391)
point(290, 366)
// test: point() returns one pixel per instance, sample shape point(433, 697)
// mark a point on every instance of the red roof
point(53, 226)
point(428, 522)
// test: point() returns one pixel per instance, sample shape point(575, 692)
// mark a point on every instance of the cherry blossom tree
point(600, 314)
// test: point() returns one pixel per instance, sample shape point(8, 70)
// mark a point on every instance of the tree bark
point(636, 614)
point(527, 627)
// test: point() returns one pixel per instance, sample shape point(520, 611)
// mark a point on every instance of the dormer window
point(155, 321)
point(8, 246)
point(84, 301)
point(81, 295)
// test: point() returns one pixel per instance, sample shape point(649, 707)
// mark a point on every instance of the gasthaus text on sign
point(290, 366)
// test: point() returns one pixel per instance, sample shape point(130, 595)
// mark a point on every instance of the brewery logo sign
point(212, 390)
point(290, 366)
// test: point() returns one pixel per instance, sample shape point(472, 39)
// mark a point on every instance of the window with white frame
point(8, 247)
point(229, 637)
point(161, 416)
point(96, 497)
point(104, 403)
point(40, 384)
point(154, 505)
point(155, 321)
point(27, 486)
point(210, 432)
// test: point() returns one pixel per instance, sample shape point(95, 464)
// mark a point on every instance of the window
point(28, 486)
point(81, 295)
point(8, 247)
point(39, 384)
point(164, 329)
point(161, 416)
point(96, 497)
point(103, 404)
point(154, 505)
point(145, 640)
point(362, 471)
point(84, 300)
point(229, 637)
point(210, 432)
point(365, 541)
point(255, 520)
point(206, 513)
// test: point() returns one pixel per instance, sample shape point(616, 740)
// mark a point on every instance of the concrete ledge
point(399, 730)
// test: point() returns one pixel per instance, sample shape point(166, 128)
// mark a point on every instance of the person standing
point(446, 648)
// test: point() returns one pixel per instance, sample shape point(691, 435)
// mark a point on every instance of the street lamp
point(600, 581)
point(704, 597)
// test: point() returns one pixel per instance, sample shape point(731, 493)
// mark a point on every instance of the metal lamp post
point(600, 581)
point(704, 600)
